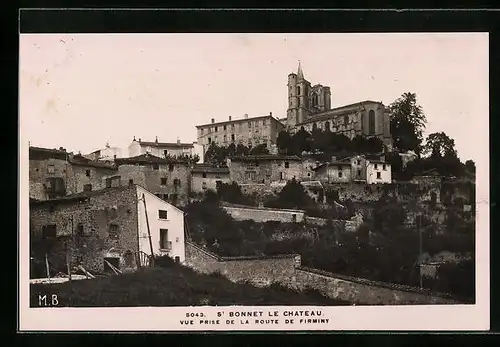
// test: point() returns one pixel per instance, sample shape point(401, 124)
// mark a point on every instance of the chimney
point(271, 114)
point(178, 141)
point(246, 116)
point(229, 118)
point(213, 120)
point(133, 139)
point(156, 140)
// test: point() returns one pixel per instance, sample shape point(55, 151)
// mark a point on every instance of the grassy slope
point(173, 286)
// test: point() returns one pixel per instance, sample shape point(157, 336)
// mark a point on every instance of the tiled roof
point(146, 159)
point(166, 144)
point(265, 157)
point(82, 161)
point(208, 168)
point(334, 163)
point(82, 195)
point(337, 111)
point(39, 153)
point(237, 121)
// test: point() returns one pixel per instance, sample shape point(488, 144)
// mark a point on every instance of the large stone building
point(108, 226)
point(250, 132)
point(309, 107)
point(265, 168)
point(169, 179)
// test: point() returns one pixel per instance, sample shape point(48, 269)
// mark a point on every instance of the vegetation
point(217, 155)
point(384, 248)
point(173, 285)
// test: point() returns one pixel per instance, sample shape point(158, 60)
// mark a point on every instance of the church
point(309, 107)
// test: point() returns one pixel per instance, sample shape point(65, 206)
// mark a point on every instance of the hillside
point(172, 285)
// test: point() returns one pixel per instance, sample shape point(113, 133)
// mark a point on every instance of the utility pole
point(419, 229)
point(149, 232)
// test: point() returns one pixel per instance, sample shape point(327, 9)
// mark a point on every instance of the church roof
point(300, 74)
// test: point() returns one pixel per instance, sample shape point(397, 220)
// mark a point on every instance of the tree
point(300, 141)
point(284, 141)
point(470, 165)
point(259, 149)
point(442, 154)
point(292, 195)
point(408, 122)
point(241, 149)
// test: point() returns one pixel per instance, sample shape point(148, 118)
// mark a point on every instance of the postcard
point(236, 182)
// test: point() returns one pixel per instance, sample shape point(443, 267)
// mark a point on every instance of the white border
point(427, 318)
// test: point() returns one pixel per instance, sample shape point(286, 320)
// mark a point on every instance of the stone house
point(56, 172)
point(169, 179)
point(108, 153)
point(107, 226)
point(370, 169)
point(335, 171)
point(264, 168)
point(205, 177)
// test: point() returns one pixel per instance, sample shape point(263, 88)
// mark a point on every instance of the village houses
point(119, 227)
point(205, 177)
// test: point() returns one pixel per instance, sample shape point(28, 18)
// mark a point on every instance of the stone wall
point(263, 214)
point(260, 271)
point(365, 292)
point(287, 270)
point(86, 226)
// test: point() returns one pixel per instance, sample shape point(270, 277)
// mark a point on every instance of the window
point(87, 187)
point(263, 122)
point(204, 185)
point(359, 162)
point(209, 140)
point(298, 101)
point(281, 176)
point(371, 122)
point(162, 214)
point(113, 231)
point(163, 181)
point(340, 173)
point(327, 126)
point(250, 175)
point(225, 138)
point(378, 175)
point(165, 152)
point(249, 124)
point(359, 172)
point(51, 169)
point(87, 173)
point(177, 259)
point(177, 182)
point(204, 175)
point(215, 129)
point(232, 137)
point(155, 166)
point(170, 167)
point(49, 231)
point(294, 218)
point(224, 127)
point(298, 90)
point(130, 182)
point(232, 126)
point(164, 243)
point(376, 167)
point(383, 167)
point(287, 165)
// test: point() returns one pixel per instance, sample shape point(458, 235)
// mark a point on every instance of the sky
point(81, 91)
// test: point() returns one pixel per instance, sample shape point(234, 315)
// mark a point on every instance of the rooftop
point(83, 161)
point(147, 159)
point(82, 195)
point(265, 157)
point(165, 144)
point(239, 120)
point(208, 168)
point(39, 153)
point(338, 111)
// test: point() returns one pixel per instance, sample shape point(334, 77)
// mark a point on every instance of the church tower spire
point(300, 74)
